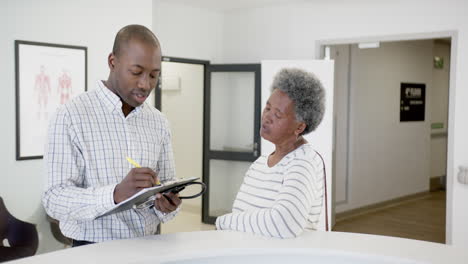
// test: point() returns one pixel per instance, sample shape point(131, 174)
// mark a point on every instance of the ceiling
point(227, 5)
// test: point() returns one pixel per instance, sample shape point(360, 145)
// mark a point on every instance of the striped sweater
point(279, 201)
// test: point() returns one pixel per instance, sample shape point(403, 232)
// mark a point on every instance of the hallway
point(422, 218)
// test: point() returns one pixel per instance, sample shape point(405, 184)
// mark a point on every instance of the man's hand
point(136, 179)
point(167, 202)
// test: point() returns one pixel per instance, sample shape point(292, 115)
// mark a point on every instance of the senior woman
point(282, 192)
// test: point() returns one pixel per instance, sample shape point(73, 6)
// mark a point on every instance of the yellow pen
point(134, 163)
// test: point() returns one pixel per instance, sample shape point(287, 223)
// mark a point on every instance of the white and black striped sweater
point(280, 201)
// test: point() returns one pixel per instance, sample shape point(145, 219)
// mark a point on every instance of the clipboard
point(146, 195)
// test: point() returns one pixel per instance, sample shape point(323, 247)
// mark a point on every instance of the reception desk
point(234, 247)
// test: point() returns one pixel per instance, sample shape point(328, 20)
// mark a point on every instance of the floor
point(188, 220)
point(422, 218)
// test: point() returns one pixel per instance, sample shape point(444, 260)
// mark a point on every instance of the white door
point(322, 137)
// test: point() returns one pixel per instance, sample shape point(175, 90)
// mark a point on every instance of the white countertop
point(235, 247)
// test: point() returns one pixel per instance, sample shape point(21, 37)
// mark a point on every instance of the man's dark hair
point(133, 32)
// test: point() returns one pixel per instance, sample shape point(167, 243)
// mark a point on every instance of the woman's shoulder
point(306, 155)
point(261, 161)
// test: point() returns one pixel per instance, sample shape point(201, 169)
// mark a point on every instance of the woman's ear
point(300, 128)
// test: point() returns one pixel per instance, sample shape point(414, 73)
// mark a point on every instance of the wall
point(85, 23)
point(188, 32)
point(340, 54)
point(388, 158)
point(291, 32)
point(440, 96)
point(437, 99)
point(186, 128)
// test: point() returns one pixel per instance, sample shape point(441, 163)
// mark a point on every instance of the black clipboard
point(145, 195)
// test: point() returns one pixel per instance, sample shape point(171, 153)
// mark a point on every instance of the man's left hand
point(167, 202)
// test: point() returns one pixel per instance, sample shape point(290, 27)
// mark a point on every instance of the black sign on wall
point(412, 101)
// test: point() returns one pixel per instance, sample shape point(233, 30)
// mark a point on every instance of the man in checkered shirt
point(90, 137)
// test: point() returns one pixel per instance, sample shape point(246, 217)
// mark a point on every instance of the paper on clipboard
point(146, 193)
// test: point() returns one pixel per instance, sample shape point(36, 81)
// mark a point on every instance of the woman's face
point(279, 122)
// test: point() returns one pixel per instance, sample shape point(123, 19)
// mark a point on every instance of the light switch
point(462, 174)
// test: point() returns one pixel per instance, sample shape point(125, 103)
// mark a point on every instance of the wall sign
point(412, 101)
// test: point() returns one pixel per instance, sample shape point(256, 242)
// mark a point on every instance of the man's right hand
point(136, 179)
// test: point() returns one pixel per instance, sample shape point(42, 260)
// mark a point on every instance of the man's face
point(135, 72)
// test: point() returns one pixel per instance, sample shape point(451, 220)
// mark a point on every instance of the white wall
point(84, 23)
point(291, 32)
point(340, 54)
point(388, 158)
point(188, 32)
point(186, 128)
point(439, 111)
point(371, 68)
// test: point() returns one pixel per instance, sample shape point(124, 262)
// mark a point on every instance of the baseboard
point(379, 206)
point(437, 183)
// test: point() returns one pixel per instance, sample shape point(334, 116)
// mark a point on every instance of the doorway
point(214, 129)
point(381, 159)
point(180, 97)
point(232, 138)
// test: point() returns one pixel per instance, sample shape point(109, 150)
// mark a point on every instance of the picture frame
point(47, 75)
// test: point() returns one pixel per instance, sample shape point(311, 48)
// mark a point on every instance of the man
point(90, 138)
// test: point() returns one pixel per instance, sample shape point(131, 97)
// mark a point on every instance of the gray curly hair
point(307, 93)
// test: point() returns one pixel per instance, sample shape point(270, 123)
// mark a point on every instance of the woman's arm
point(298, 200)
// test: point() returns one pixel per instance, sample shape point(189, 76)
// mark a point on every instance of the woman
point(282, 192)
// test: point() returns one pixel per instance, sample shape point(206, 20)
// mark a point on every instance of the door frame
point(227, 155)
point(320, 52)
point(158, 92)
point(157, 96)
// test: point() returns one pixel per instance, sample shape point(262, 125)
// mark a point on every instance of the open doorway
point(214, 129)
point(383, 161)
point(180, 97)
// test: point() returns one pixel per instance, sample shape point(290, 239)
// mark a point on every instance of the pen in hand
point(134, 163)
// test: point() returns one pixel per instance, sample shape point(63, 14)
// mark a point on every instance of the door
point(181, 95)
point(323, 137)
point(232, 139)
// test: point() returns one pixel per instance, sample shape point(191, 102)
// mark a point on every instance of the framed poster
point(412, 101)
point(47, 76)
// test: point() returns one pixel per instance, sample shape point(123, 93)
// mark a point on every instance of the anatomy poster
point(47, 76)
